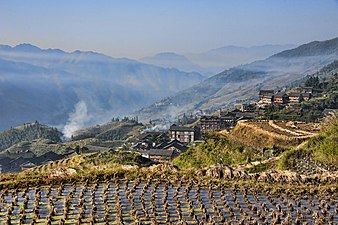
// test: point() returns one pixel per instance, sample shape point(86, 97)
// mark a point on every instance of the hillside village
point(163, 146)
point(306, 102)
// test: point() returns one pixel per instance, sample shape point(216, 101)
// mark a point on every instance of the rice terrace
point(155, 202)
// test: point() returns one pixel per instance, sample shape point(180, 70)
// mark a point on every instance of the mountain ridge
point(49, 85)
point(174, 60)
point(240, 84)
point(312, 48)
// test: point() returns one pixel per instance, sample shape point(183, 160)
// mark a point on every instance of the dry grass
point(260, 134)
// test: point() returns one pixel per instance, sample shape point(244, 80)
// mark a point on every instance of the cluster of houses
point(17, 162)
point(270, 96)
point(228, 119)
point(165, 146)
point(158, 146)
point(13, 163)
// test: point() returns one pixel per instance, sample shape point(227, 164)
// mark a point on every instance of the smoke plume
point(77, 120)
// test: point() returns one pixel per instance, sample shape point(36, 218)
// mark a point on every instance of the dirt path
point(298, 133)
point(301, 145)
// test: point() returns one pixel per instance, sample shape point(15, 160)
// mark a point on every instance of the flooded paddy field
point(154, 202)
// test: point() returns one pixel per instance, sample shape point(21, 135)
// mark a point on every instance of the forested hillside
point(28, 132)
point(113, 130)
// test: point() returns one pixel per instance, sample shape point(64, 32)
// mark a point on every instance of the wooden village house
point(184, 134)
point(281, 98)
point(266, 96)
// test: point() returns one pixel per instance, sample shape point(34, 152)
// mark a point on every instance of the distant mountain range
point(78, 89)
point(216, 60)
point(174, 60)
point(81, 89)
point(242, 83)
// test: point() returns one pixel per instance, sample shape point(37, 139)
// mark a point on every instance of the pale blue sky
point(136, 28)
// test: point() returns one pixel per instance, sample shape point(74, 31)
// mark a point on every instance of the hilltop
point(27, 133)
point(116, 129)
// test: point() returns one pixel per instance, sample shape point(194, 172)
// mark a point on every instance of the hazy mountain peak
point(173, 60)
point(170, 54)
point(55, 50)
point(219, 59)
point(312, 49)
point(166, 56)
point(27, 47)
point(5, 47)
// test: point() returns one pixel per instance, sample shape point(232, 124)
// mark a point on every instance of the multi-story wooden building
point(295, 97)
point(184, 134)
point(217, 123)
point(266, 96)
point(281, 98)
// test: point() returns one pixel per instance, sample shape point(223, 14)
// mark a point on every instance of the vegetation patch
point(321, 151)
point(28, 132)
point(325, 145)
point(216, 149)
point(119, 157)
point(261, 167)
point(114, 130)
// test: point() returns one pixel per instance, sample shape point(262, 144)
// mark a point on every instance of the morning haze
point(137, 29)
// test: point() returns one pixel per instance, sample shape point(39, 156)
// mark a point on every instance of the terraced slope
point(263, 133)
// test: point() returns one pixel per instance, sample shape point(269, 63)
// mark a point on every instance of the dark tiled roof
point(178, 128)
point(92, 148)
point(210, 118)
point(150, 134)
point(177, 144)
point(294, 95)
point(266, 92)
point(280, 95)
point(144, 136)
point(26, 155)
point(306, 95)
point(49, 156)
point(158, 152)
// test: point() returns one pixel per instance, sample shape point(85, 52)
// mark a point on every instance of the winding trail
point(298, 133)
